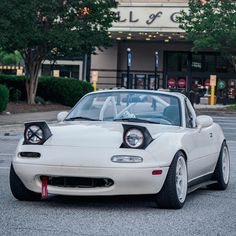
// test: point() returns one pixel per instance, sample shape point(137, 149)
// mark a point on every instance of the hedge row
point(4, 97)
point(66, 91)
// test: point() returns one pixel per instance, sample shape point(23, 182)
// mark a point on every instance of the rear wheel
point(222, 170)
point(19, 191)
point(174, 191)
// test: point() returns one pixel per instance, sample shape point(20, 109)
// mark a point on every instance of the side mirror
point(62, 115)
point(204, 122)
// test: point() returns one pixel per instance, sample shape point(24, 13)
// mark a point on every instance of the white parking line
point(4, 168)
point(230, 128)
point(7, 154)
point(226, 123)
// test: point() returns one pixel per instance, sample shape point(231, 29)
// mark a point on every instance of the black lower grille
point(80, 182)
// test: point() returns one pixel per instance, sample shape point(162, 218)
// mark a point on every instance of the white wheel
point(181, 179)
point(174, 191)
point(222, 170)
point(225, 164)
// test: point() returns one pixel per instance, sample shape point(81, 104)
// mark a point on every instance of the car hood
point(98, 134)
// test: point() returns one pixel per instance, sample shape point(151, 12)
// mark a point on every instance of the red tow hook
point(44, 192)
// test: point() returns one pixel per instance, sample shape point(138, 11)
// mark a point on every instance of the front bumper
point(136, 180)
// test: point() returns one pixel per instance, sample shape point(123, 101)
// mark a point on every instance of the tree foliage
point(40, 28)
point(211, 24)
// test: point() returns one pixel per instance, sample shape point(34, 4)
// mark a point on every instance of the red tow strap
point(44, 187)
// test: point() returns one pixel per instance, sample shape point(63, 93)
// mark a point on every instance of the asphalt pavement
point(206, 212)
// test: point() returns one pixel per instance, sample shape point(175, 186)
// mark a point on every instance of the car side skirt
point(200, 182)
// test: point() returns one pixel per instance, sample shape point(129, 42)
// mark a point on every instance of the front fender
point(165, 147)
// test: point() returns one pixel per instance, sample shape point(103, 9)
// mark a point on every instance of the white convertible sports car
point(122, 142)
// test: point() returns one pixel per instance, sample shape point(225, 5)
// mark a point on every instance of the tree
point(38, 28)
point(211, 24)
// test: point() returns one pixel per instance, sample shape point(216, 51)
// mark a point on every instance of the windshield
point(128, 106)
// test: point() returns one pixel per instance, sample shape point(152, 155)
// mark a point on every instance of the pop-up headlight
point(136, 137)
point(36, 133)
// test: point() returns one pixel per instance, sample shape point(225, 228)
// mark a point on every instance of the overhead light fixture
point(167, 40)
point(129, 34)
point(118, 38)
point(128, 37)
point(148, 39)
point(120, 32)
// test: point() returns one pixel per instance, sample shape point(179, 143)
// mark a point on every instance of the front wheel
point(174, 191)
point(18, 189)
point(222, 170)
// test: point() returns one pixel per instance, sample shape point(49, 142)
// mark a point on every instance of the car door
point(199, 144)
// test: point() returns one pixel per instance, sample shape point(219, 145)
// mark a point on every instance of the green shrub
point(4, 97)
point(66, 91)
point(15, 95)
point(40, 100)
point(14, 82)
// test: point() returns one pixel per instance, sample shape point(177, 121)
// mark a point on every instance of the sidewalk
point(215, 110)
point(14, 123)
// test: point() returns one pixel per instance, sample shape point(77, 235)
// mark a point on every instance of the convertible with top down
point(122, 142)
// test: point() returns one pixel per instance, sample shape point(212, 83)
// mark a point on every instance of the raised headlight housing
point(36, 133)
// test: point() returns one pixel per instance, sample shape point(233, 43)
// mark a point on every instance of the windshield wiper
point(136, 120)
point(80, 118)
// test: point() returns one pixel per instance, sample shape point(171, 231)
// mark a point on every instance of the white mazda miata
point(122, 142)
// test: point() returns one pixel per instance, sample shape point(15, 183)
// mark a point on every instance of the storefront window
point(46, 70)
point(140, 81)
point(209, 62)
point(223, 65)
point(172, 61)
point(177, 61)
point(197, 63)
point(70, 71)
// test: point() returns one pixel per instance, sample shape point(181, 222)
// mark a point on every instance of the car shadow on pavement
point(143, 201)
point(119, 202)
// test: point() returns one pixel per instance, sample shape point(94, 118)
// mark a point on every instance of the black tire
point(168, 197)
point(19, 191)
point(218, 173)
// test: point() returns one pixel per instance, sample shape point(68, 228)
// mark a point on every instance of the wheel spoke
point(179, 189)
point(225, 165)
point(181, 179)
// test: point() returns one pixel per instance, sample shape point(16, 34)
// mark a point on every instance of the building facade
point(160, 54)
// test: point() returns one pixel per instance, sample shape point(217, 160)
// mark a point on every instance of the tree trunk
point(32, 71)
